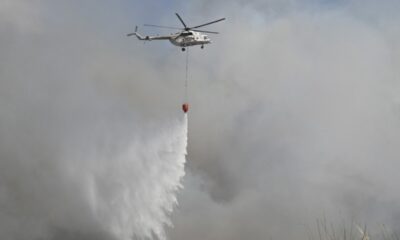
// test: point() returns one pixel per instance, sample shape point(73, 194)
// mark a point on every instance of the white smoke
point(78, 159)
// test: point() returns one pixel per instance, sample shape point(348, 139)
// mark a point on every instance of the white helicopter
point(188, 36)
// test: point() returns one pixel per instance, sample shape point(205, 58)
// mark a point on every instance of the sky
point(295, 106)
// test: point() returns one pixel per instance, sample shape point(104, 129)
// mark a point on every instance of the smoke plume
point(294, 111)
point(78, 159)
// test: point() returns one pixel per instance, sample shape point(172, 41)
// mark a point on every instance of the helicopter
point(188, 36)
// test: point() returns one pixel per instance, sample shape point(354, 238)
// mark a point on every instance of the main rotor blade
point(151, 25)
point(180, 19)
point(205, 24)
point(204, 31)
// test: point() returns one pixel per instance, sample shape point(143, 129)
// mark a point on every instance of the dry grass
point(352, 231)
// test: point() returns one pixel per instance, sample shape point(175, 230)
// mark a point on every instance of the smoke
point(294, 108)
point(306, 121)
point(80, 157)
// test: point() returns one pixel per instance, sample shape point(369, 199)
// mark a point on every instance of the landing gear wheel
point(202, 46)
point(183, 49)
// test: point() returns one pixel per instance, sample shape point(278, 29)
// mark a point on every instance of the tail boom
point(147, 38)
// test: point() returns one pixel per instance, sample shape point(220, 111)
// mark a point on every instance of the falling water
point(104, 192)
point(134, 195)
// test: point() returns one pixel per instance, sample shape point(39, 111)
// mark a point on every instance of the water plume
point(136, 192)
point(119, 189)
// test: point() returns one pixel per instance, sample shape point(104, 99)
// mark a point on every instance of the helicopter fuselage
point(189, 38)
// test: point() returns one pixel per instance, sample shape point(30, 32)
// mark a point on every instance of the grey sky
point(295, 107)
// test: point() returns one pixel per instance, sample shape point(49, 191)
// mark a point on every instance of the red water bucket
point(185, 107)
